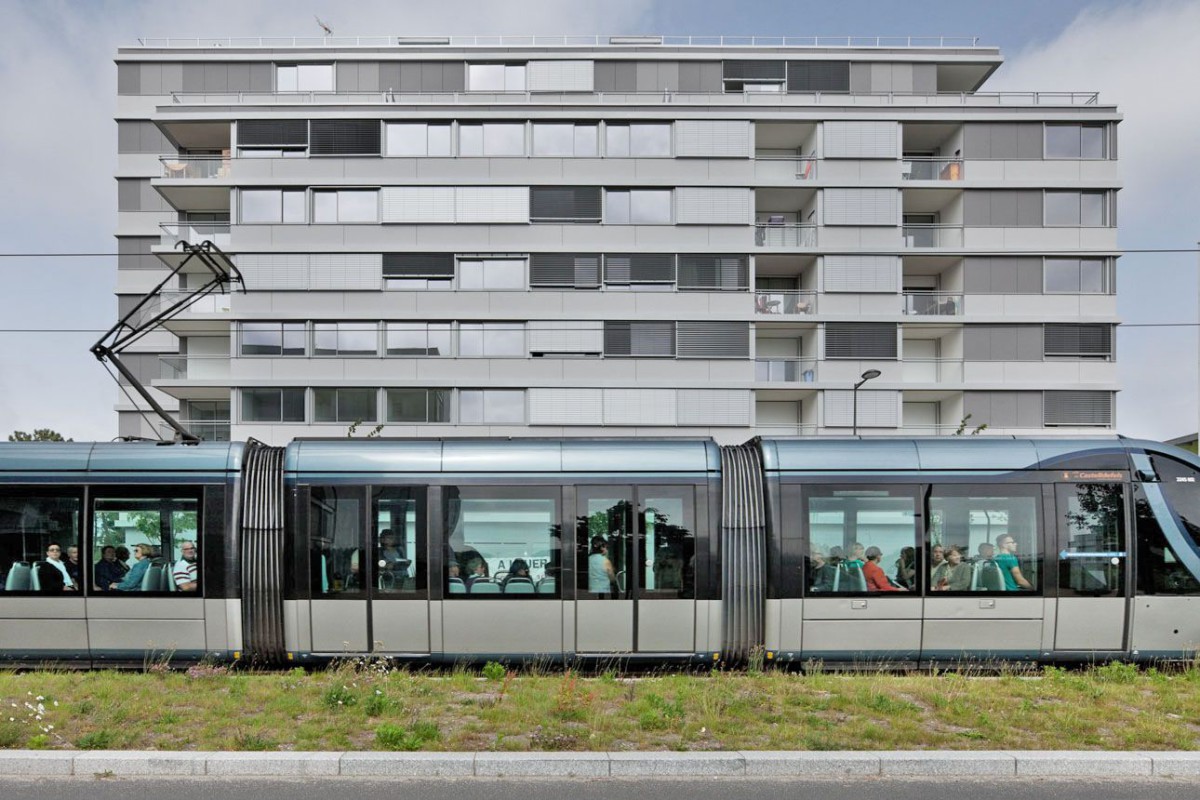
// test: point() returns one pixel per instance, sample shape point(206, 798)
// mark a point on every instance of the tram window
point(502, 542)
point(848, 528)
point(146, 545)
point(335, 540)
point(977, 540)
point(399, 542)
point(602, 556)
point(29, 525)
point(666, 558)
point(1091, 520)
point(1160, 569)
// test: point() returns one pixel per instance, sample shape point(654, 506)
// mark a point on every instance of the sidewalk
point(998, 764)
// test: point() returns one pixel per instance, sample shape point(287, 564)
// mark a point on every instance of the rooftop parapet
point(654, 40)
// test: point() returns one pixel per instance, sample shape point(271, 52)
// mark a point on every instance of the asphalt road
point(608, 789)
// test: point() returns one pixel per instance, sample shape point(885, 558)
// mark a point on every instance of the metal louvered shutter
point(417, 204)
point(418, 265)
point(344, 271)
point(713, 339)
point(1078, 340)
point(560, 76)
point(860, 340)
point(578, 270)
point(639, 268)
point(862, 206)
point(861, 273)
point(723, 272)
point(575, 337)
point(755, 70)
point(714, 407)
point(1078, 408)
point(639, 407)
point(818, 76)
point(639, 338)
point(564, 204)
point(272, 132)
point(349, 137)
point(712, 205)
point(566, 407)
point(861, 139)
point(876, 409)
point(708, 138)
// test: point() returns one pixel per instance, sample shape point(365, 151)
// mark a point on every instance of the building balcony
point(210, 430)
point(195, 233)
point(176, 368)
point(195, 167)
point(783, 168)
point(932, 169)
point(781, 235)
point(785, 370)
point(776, 430)
point(781, 303)
point(932, 370)
point(932, 304)
point(933, 236)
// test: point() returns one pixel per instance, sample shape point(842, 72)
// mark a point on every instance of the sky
point(58, 150)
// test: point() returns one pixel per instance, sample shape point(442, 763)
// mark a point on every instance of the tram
point(900, 551)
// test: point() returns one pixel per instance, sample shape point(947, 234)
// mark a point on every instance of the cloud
point(1144, 58)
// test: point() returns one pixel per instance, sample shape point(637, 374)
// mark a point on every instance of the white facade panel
point(861, 139)
point(876, 409)
point(861, 273)
point(695, 205)
point(714, 407)
point(491, 204)
point(345, 270)
point(566, 406)
point(418, 203)
point(712, 138)
point(861, 206)
point(560, 76)
point(274, 270)
point(566, 336)
point(639, 407)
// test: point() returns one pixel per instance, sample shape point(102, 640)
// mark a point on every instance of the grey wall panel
point(1029, 275)
point(346, 76)
point(129, 78)
point(151, 78)
point(239, 77)
point(193, 77)
point(700, 76)
point(668, 75)
point(1004, 209)
point(605, 79)
point(410, 77)
point(977, 208)
point(454, 76)
point(260, 77)
point(902, 78)
point(389, 76)
point(368, 76)
point(172, 78)
point(1001, 275)
point(1029, 140)
point(714, 406)
point(924, 78)
point(1029, 342)
point(1004, 141)
point(977, 141)
point(216, 77)
point(625, 76)
point(647, 76)
point(129, 194)
point(1029, 208)
point(860, 78)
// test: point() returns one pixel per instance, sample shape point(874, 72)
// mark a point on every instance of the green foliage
point(38, 435)
point(96, 740)
point(397, 737)
point(377, 704)
point(494, 671)
point(252, 741)
point(340, 696)
point(38, 741)
point(353, 429)
point(1116, 672)
point(656, 713)
point(962, 427)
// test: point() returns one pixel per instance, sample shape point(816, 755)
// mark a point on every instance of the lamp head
point(871, 373)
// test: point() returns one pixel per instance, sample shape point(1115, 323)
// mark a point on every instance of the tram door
point(398, 583)
point(635, 567)
point(1092, 559)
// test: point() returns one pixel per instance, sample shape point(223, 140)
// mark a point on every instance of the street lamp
point(866, 376)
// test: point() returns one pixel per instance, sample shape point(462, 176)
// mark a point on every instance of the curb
point(773, 764)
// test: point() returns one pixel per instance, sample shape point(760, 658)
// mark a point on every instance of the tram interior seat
point(519, 586)
point(35, 585)
point(19, 577)
point(485, 587)
point(621, 581)
point(547, 586)
point(152, 580)
point(849, 579)
point(457, 586)
point(987, 577)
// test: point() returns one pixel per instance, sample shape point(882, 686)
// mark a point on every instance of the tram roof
point(124, 457)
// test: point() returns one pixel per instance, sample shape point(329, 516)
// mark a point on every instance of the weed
point(656, 713)
point(108, 773)
point(754, 665)
point(1116, 672)
point(340, 696)
point(96, 740)
point(396, 737)
point(377, 704)
point(542, 739)
point(494, 671)
point(572, 701)
point(38, 741)
point(252, 741)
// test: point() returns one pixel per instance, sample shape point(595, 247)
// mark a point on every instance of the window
point(572, 270)
point(418, 270)
point(640, 268)
point(343, 206)
point(492, 139)
point(492, 273)
point(1071, 408)
point(418, 405)
point(491, 407)
point(1078, 341)
point(345, 405)
point(344, 137)
point(161, 536)
point(496, 77)
point(1077, 276)
point(666, 561)
point(1091, 519)
point(862, 540)
point(272, 138)
point(714, 272)
point(857, 340)
point(639, 339)
point(565, 140)
point(1160, 564)
point(639, 140)
point(418, 139)
point(272, 205)
point(977, 538)
point(30, 524)
point(418, 339)
point(638, 207)
point(1077, 209)
point(345, 339)
point(564, 204)
point(400, 566)
point(304, 78)
point(273, 339)
point(491, 340)
point(502, 542)
point(1073, 140)
point(752, 76)
point(335, 523)
point(272, 405)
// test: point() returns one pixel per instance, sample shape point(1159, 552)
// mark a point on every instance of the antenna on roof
point(328, 30)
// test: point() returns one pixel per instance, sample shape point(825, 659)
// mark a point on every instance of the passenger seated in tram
point(477, 570)
point(820, 573)
point(937, 557)
point(987, 551)
point(906, 567)
point(518, 572)
point(132, 582)
point(392, 559)
point(1009, 566)
point(108, 570)
point(953, 574)
point(857, 557)
point(52, 573)
point(876, 579)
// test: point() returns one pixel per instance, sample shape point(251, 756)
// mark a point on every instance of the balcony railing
point(785, 302)
point(773, 429)
point(933, 235)
point(933, 304)
point(931, 169)
point(785, 370)
point(555, 40)
point(177, 368)
point(804, 167)
point(195, 167)
point(932, 370)
point(928, 430)
point(195, 233)
point(210, 430)
point(779, 235)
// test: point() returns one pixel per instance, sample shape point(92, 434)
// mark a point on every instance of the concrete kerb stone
point(954, 763)
point(826, 763)
point(139, 762)
point(408, 765)
point(542, 765)
point(273, 764)
point(1176, 764)
point(1091, 764)
point(638, 765)
point(35, 762)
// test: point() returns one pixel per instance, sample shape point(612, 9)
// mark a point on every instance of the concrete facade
point(452, 238)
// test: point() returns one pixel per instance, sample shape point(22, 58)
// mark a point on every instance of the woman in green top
point(1006, 558)
point(953, 574)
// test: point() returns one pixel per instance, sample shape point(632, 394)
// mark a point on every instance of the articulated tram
point(905, 551)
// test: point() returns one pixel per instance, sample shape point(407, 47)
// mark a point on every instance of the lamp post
point(866, 376)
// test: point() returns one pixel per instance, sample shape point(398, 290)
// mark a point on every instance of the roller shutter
point(639, 338)
point(569, 270)
point(355, 137)
point(713, 407)
point(566, 407)
point(712, 138)
point(418, 265)
point(861, 139)
point(876, 409)
point(863, 340)
point(862, 206)
point(755, 70)
point(1078, 340)
point(712, 206)
point(719, 272)
point(639, 407)
point(560, 76)
point(574, 337)
point(565, 204)
point(713, 339)
point(818, 76)
point(639, 268)
point(861, 273)
point(1078, 408)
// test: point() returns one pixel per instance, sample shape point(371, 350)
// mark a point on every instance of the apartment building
point(582, 236)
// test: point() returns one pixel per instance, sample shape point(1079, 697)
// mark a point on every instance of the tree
point(38, 435)
point(353, 429)
point(962, 427)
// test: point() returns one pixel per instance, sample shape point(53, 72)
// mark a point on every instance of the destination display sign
point(1093, 475)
